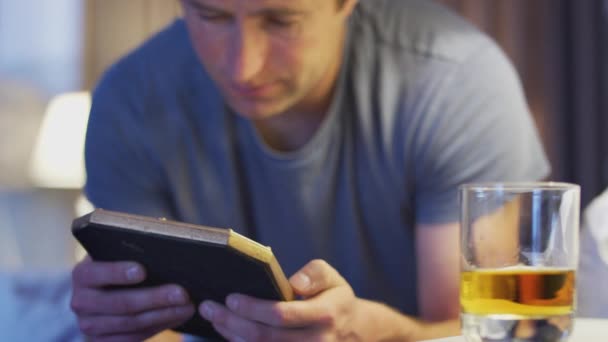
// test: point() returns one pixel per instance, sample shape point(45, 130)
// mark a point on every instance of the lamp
point(58, 156)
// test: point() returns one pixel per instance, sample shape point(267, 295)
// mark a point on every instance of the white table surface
point(585, 330)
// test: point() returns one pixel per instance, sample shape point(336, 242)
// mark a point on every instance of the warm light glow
point(58, 158)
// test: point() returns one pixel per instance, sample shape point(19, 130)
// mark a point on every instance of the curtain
point(581, 115)
point(559, 48)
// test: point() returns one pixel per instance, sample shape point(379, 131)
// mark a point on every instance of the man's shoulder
point(172, 41)
point(420, 27)
point(159, 74)
point(163, 56)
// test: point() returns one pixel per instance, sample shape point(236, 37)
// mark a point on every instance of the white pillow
point(596, 220)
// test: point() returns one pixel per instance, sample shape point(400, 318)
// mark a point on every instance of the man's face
point(266, 56)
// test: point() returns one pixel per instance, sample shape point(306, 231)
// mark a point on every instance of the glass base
point(507, 328)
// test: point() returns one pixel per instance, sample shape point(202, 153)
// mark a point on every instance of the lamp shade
point(58, 156)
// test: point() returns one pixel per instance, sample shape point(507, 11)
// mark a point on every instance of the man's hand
point(329, 311)
point(124, 314)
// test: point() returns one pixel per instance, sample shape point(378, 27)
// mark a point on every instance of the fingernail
point(134, 273)
point(301, 281)
point(177, 296)
point(207, 311)
point(233, 303)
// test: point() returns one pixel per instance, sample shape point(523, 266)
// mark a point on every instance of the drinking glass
point(519, 253)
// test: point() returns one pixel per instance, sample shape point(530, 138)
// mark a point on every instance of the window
point(41, 43)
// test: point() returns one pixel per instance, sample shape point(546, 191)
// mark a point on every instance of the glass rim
point(518, 186)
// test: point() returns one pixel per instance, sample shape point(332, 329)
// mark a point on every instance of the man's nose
point(248, 54)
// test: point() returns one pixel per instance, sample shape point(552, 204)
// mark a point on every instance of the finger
point(284, 335)
point(146, 321)
point(122, 338)
point(226, 333)
point(315, 277)
point(294, 314)
point(129, 301)
point(237, 328)
point(139, 336)
point(89, 273)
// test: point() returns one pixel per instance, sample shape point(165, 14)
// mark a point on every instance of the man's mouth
point(260, 91)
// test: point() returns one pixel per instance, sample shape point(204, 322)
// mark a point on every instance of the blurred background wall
point(49, 48)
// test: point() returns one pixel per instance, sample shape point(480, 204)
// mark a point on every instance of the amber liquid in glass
point(519, 303)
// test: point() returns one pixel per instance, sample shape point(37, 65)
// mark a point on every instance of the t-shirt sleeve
point(476, 128)
point(122, 173)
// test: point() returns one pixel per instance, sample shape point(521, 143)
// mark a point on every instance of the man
point(333, 131)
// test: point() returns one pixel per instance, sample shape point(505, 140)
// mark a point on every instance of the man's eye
point(280, 23)
point(214, 17)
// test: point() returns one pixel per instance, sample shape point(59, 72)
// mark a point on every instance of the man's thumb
point(317, 276)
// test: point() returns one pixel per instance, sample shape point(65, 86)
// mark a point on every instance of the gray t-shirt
point(424, 103)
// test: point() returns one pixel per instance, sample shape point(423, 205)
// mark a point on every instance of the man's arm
point(383, 323)
point(438, 262)
point(438, 255)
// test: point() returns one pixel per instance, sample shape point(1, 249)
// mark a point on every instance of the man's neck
point(292, 129)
